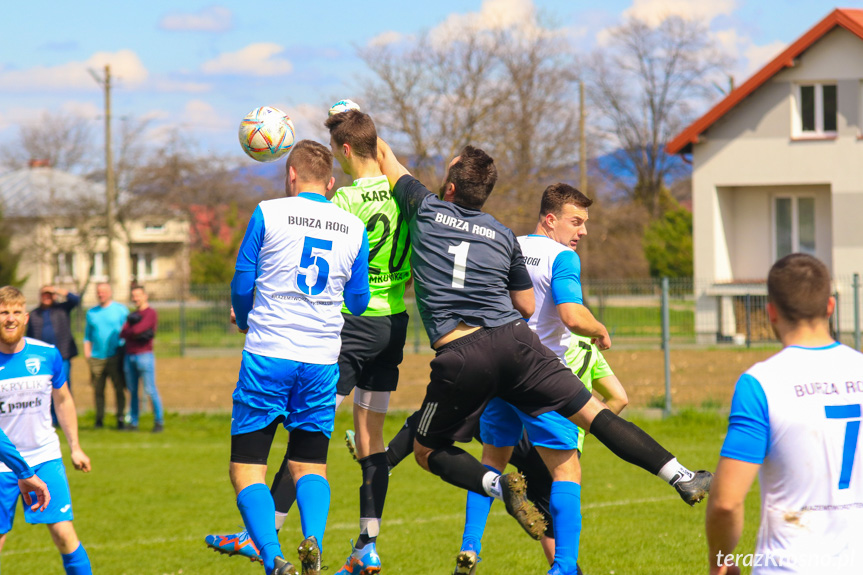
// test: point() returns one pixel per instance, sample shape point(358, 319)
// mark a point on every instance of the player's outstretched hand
point(234, 321)
point(34, 484)
point(603, 342)
point(81, 461)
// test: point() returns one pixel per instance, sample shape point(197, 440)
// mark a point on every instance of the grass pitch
point(151, 499)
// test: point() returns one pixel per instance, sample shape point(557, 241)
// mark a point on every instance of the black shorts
point(507, 362)
point(372, 349)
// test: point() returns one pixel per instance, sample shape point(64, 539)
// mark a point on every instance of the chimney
point(39, 163)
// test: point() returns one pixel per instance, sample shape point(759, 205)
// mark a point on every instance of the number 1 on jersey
point(459, 270)
point(852, 433)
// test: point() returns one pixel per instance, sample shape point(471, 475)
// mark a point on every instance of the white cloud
point(209, 19)
point(654, 12)
point(254, 60)
point(492, 15)
point(386, 38)
point(162, 84)
point(126, 69)
point(758, 56)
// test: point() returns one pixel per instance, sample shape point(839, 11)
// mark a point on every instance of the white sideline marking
point(496, 510)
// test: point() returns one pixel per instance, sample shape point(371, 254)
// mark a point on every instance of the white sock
point(491, 484)
point(673, 472)
point(339, 399)
point(280, 519)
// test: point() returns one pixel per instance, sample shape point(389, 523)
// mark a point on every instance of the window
point(143, 265)
point(794, 224)
point(65, 270)
point(816, 110)
point(154, 228)
point(99, 267)
point(65, 230)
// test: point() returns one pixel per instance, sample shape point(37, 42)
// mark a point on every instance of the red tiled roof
point(851, 20)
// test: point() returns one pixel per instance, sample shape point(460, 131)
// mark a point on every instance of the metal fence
point(698, 314)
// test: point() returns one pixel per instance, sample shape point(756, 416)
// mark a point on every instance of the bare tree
point(65, 141)
point(646, 85)
point(510, 91)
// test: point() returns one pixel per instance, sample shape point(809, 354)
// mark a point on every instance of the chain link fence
point(700, 314)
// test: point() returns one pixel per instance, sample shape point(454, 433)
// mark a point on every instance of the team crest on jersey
point(33, 364)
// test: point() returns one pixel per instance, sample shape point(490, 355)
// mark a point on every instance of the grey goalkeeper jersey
point(464, 262)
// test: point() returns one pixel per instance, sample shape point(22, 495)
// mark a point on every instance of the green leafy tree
point(8, 259)
point(212, 263)
point(668, 244)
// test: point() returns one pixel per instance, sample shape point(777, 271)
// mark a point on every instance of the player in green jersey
point(373, 343)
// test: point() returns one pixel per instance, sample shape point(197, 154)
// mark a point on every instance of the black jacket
point(59, 313)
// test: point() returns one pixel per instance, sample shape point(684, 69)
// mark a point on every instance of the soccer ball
point(343, 106)
point(266, 134)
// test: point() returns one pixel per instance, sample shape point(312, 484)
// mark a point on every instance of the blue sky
point(196, 68)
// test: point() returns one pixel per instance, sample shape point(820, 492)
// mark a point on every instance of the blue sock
point(565, 510)
point(258, 511)
point(475, 517)
point(313, 500)
point(77, 562)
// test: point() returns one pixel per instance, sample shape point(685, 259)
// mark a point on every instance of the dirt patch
point(699, 378)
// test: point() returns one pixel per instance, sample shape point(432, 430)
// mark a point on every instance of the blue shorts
point(501, 426)
point(269, 387)
point(53, 473)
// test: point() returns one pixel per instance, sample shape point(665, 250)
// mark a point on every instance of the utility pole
point(110, 186)
point(582, 141)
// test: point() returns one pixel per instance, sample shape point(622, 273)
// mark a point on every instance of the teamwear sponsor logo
point(13, 406)
point(33, 364)
point(21, 384)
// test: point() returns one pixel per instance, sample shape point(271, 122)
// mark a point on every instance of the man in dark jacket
point(50, 323)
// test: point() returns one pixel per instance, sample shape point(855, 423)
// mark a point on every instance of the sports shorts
point(53, 473)
point(507, 362)
point(269, 387)
point(501, 426)
point(372, 350)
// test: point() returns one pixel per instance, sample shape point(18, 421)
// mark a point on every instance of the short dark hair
point(312, 161)
point(799, 286)
point(356, 129)
point(474, 177)
point(558, 195)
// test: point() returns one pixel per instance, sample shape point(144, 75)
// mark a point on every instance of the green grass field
point(151, 499)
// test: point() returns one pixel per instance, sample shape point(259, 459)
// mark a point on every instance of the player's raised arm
point(390, 166)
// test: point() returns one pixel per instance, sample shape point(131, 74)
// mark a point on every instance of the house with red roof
point(777, 169)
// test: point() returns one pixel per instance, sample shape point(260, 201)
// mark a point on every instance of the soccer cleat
point(283, 568)
point(351, 442)
point(465, 562)
point(513, 488)
point(310, 556)
point(695, 489)
point(234, 544)
point(363, 561)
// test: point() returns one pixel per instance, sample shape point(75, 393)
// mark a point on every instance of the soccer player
point(555, 271)
point(794, 422)
point(472, 292)
point(33, 375)
point(372, 343)
point(301, 258)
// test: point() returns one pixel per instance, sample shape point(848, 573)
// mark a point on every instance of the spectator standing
point(103, 351)
point(139, 363)
point(50, 323)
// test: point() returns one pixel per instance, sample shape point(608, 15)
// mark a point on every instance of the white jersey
point(798, 414)
point(555, 271)
point(26, 381)
point(306, 253)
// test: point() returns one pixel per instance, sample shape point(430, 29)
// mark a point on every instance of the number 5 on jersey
point(314, 269)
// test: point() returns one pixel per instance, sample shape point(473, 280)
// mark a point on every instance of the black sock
point(458, 467)
point(373, 494)
point(629, 442)
point(283, 491)
point(402, 444)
